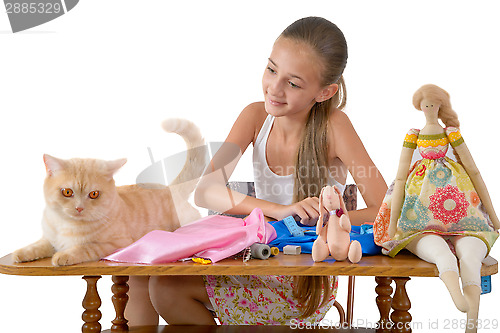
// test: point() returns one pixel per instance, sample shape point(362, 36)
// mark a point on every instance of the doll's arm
point(398, 194)
point(345, 224)
point(457, 142)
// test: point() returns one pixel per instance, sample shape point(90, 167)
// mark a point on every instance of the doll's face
point(429, 106)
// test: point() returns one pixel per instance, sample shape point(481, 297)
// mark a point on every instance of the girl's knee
point(163, 284)
point(163, 291)
point(174, 285)
point(138, 282)
point(170, 291)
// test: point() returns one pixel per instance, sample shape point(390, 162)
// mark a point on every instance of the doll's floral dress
point(439, 197)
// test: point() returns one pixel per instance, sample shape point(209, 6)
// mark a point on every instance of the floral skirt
point(440, 199)
point(259, 300)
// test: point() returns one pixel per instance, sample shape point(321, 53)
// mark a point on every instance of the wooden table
point(384, 269)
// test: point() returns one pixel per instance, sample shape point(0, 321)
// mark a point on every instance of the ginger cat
point(87, 217)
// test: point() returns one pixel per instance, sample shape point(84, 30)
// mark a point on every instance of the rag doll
point(87, 217)
point(440, 209)
point(333, 236)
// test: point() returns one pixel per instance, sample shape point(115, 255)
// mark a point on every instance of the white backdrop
point(97, 82)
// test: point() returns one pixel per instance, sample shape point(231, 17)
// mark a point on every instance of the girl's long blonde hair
point(312, 165)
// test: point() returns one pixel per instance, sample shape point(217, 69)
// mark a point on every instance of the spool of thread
point(260, 251)
point(291, 249)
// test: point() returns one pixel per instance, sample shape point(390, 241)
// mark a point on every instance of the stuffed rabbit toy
point(333, 235)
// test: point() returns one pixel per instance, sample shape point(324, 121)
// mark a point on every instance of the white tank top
point(268, 185)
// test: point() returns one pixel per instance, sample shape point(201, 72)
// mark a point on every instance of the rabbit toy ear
point(337, 189)
point(321, 197)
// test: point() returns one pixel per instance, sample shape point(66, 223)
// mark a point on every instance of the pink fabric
point(213, 237)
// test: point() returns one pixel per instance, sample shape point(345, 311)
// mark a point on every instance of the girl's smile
point(276, 103)
point(291, 82)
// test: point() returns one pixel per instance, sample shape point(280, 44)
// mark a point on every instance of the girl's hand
point(306, 210)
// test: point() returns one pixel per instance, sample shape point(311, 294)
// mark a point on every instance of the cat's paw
point(24, 255)
point(35, 251)
point(64, 259)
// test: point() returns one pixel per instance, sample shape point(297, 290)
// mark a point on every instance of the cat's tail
point(197, 153)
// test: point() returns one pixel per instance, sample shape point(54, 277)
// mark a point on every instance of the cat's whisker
point(104, 218)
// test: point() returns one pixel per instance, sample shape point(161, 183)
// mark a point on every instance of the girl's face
point(292, 80)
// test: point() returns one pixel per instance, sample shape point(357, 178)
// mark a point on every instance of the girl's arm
point(350, 150)
point(460, 147)
point(212, 191)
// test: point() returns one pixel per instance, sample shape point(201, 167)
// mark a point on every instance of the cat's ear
point(114, 166)
point(52, 164)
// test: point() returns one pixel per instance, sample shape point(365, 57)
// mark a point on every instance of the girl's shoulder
point(247, 126)
point(256, 111)
point(341, 132)
point(338, 117)
point(253, 116)
point(339, 122)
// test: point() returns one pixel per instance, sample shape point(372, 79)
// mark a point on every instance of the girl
point(302, 141)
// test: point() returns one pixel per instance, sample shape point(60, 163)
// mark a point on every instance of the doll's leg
point(471, 252)
point(355, 252)
point(320, 249)
point(434, 249)
point(139, 310)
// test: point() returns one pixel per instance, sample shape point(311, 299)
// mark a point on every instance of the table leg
point(120, 299)
point(91, 303)
point(384, 302)
point(401, 304)
point(350, 300)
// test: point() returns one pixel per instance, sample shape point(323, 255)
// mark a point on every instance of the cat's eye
point(94, 194)
point(67, 192)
